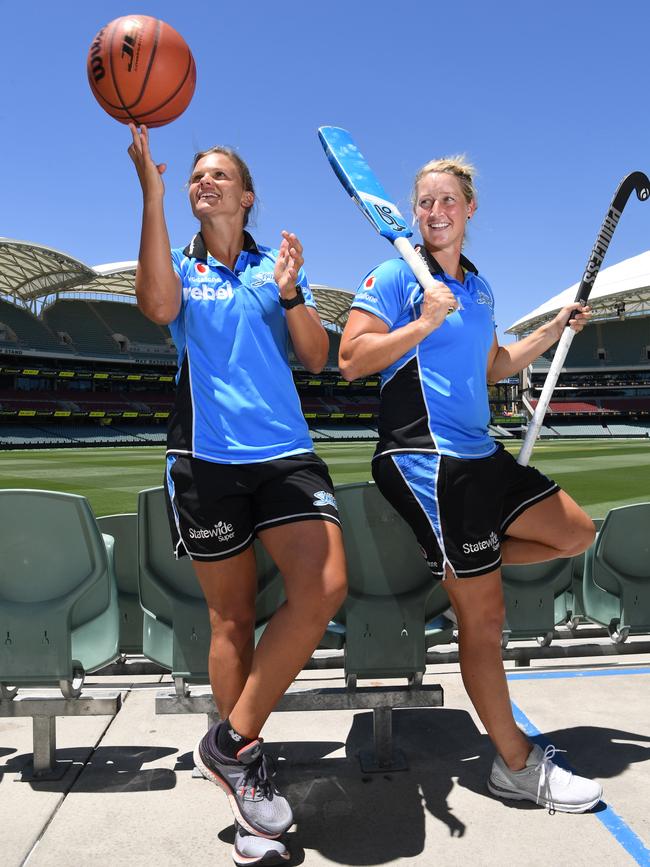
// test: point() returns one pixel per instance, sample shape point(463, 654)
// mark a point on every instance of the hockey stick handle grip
point(545, 397)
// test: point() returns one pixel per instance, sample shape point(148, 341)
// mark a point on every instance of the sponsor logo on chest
point(206, 292)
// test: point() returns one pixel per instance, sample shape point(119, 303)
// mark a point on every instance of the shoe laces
point(547, 768)
point(258, 777)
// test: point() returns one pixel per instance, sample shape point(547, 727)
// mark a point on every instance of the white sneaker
point(543, 782)
point(250, 849)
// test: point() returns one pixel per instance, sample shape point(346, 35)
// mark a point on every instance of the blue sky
point(549, 100)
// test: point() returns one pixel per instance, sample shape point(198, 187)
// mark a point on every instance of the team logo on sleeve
point(483, 298)
point(324, 498)
point(262, 277)
point(369, 283)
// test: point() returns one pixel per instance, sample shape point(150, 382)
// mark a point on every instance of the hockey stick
point(639, 182)
point(359, 181)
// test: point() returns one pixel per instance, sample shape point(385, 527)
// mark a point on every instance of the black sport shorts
point(460, 509)
point(216, 510)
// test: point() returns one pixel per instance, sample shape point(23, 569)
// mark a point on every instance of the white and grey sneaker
point(251, 849)
point(248, 781)
point(545, 783)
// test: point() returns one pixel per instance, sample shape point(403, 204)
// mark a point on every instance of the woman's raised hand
point(289, 262)
point(149, 174)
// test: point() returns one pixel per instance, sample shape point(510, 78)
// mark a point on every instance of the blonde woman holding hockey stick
point(469, 503)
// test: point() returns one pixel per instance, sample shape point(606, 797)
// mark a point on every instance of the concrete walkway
point(129, 798)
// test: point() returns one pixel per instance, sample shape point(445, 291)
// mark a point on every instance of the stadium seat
point(124, 530)
point(537, 596)
point(616, 580)
point(392, 595)
point(575, 601)
point(59, 614)
point(176, 630)
point(58, 596)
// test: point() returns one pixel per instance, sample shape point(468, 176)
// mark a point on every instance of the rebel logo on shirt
point(209, 293)
point(201, 268)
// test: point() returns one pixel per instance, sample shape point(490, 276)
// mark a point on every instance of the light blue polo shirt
point(435, 397)
point(236, 401)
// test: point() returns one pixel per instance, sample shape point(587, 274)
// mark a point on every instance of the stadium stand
point(126, 319)
point(606, 374)
point(337, 432)
point(628, 430)
point(75, 349)
point(580, 430)
point(498, 431)
point(82, 327)
point(22, 329)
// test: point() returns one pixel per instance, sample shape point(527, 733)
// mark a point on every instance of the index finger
point(136, 136)
point(294, 241)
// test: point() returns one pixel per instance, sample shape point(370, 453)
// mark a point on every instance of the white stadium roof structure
point(31, 272)
point(620, 288)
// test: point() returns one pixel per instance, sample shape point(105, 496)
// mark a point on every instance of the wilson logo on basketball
point(95, 60)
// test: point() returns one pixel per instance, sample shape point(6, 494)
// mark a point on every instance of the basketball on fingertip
point(141, 71)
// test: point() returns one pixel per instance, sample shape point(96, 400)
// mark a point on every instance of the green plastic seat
point(537, 598)
point(575, 602)
point(616, 579)
point(392, 593)
point(176, 632)
point(59, 613)
point(124, 530)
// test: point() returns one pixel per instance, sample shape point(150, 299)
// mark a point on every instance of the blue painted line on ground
point(559, 675)
point(621, 832)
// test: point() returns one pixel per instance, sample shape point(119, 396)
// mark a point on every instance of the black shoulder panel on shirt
point(179, 431)
point(403, 419)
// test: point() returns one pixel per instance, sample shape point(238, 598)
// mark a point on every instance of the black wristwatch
point(288, 303)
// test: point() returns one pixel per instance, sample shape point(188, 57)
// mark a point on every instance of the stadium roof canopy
point(621, 289)
point(31, 271)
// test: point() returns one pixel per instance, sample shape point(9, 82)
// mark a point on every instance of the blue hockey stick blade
point(355, 174)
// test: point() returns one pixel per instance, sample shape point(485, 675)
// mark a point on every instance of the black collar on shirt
point(437, 269)
point(196, 249)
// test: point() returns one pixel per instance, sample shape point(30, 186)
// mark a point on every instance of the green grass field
point(599, 475)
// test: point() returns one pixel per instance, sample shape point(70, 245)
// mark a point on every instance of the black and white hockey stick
point(639, 182)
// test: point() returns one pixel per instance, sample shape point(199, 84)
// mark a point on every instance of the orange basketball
point(141, 71)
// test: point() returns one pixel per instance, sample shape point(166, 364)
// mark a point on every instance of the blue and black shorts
point(216, 510)
point(460, 509)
